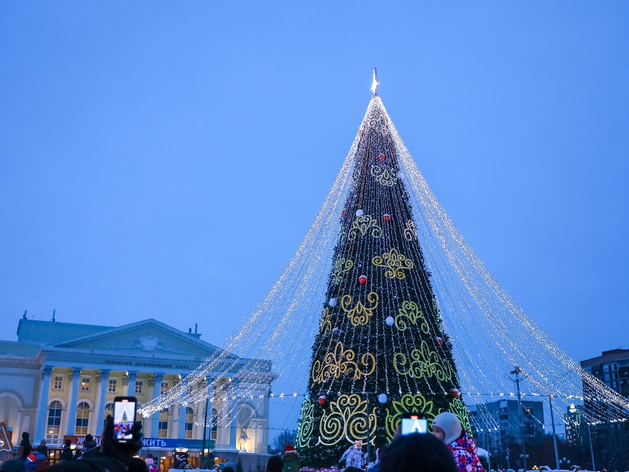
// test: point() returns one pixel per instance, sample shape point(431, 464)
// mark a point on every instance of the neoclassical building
point(60, 379)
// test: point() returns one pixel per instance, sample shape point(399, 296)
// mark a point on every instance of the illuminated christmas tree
point(381, 349)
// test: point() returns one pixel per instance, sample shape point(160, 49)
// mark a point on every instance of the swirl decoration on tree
point(325, 325)
point(340, 267)
point(395, 261)
point(458, 408)
point(360, 314)
point(410, 231)
point(342, 239)
point(424, 362)
point(407, 403)
point(363, 225)
point(342, 361)
point(385, 177)
point(306, 424)
point(347, 419)
point(410, 310)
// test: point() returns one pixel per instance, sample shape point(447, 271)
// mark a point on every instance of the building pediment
point(149, 337)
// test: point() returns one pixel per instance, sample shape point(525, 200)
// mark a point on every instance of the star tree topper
point(375, 83)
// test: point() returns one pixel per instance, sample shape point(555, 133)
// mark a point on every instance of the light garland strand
point(489, 332)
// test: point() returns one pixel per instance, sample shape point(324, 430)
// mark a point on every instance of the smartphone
point(412, 423)
point(124, 418)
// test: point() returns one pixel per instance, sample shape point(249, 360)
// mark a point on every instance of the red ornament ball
point(322, 400)
point(440, 341)
point(455, 393)
point(387, 218)
point(344, 212)
point(382, 157)
point(362, 279)
point(362, 132)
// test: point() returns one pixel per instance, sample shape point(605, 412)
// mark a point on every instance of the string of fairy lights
point(489, 332)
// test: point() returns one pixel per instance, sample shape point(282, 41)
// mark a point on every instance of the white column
point(181, 431)
point(206, 407)
point(131, 387)
point(75, 376)
point(102, 380)
point(42, 409)
point(233, 424)
point(125, 385)
point(155, 417)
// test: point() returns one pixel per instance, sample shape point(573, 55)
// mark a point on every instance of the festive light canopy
point(490, 334)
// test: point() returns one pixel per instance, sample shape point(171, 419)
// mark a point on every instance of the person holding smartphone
point(113, 455)
point(447, 427)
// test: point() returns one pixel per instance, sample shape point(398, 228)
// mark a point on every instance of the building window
point(163, 424)
point(112, 385)
point(82, 418)
point(189, 422)
point(164, 387)
point(138, 387)
point(54, 420)
point(58, 383)
point(85, 384)
point(214, 425)
point(109, 411)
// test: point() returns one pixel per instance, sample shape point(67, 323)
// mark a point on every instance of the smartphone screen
point(414, 424)
point(124, 417)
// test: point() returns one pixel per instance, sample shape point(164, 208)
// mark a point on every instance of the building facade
point(60, 379)
point(497, 426)
point(610, 440)
point(611, 368)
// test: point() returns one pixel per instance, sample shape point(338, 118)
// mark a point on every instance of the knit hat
point(289, 448)
point(450, 425)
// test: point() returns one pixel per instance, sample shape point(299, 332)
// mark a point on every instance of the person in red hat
point(291, 459)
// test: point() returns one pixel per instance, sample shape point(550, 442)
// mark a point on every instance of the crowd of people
point(448, 449)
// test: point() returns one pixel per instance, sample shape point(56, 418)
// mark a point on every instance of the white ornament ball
point(359, 213)
point(382, 398)
point(332, 302)
point(389, 321)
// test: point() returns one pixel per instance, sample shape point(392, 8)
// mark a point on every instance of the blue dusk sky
point(165, 159)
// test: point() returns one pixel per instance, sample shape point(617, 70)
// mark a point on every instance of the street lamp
point(564, 461)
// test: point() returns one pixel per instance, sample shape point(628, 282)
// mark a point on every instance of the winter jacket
point(66, 454)
point(87, 445)
point(465, 454)
point(25, 446)
point(291, 462)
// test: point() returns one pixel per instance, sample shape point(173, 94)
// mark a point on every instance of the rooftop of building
point(613, 355)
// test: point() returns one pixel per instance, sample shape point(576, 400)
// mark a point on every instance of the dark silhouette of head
point(137, 465)
point(14, 465)
point(275, 464)
point(418, 453)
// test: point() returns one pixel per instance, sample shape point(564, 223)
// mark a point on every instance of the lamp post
point(591, 448)
point(516, 372)
point(552, 418)
point(204, 434)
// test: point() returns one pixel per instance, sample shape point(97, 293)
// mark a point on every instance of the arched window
point(82, 418)
point(214, 424)
point(54, 420)
point(109, 411)
point(163, 424)
point(189, 422)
